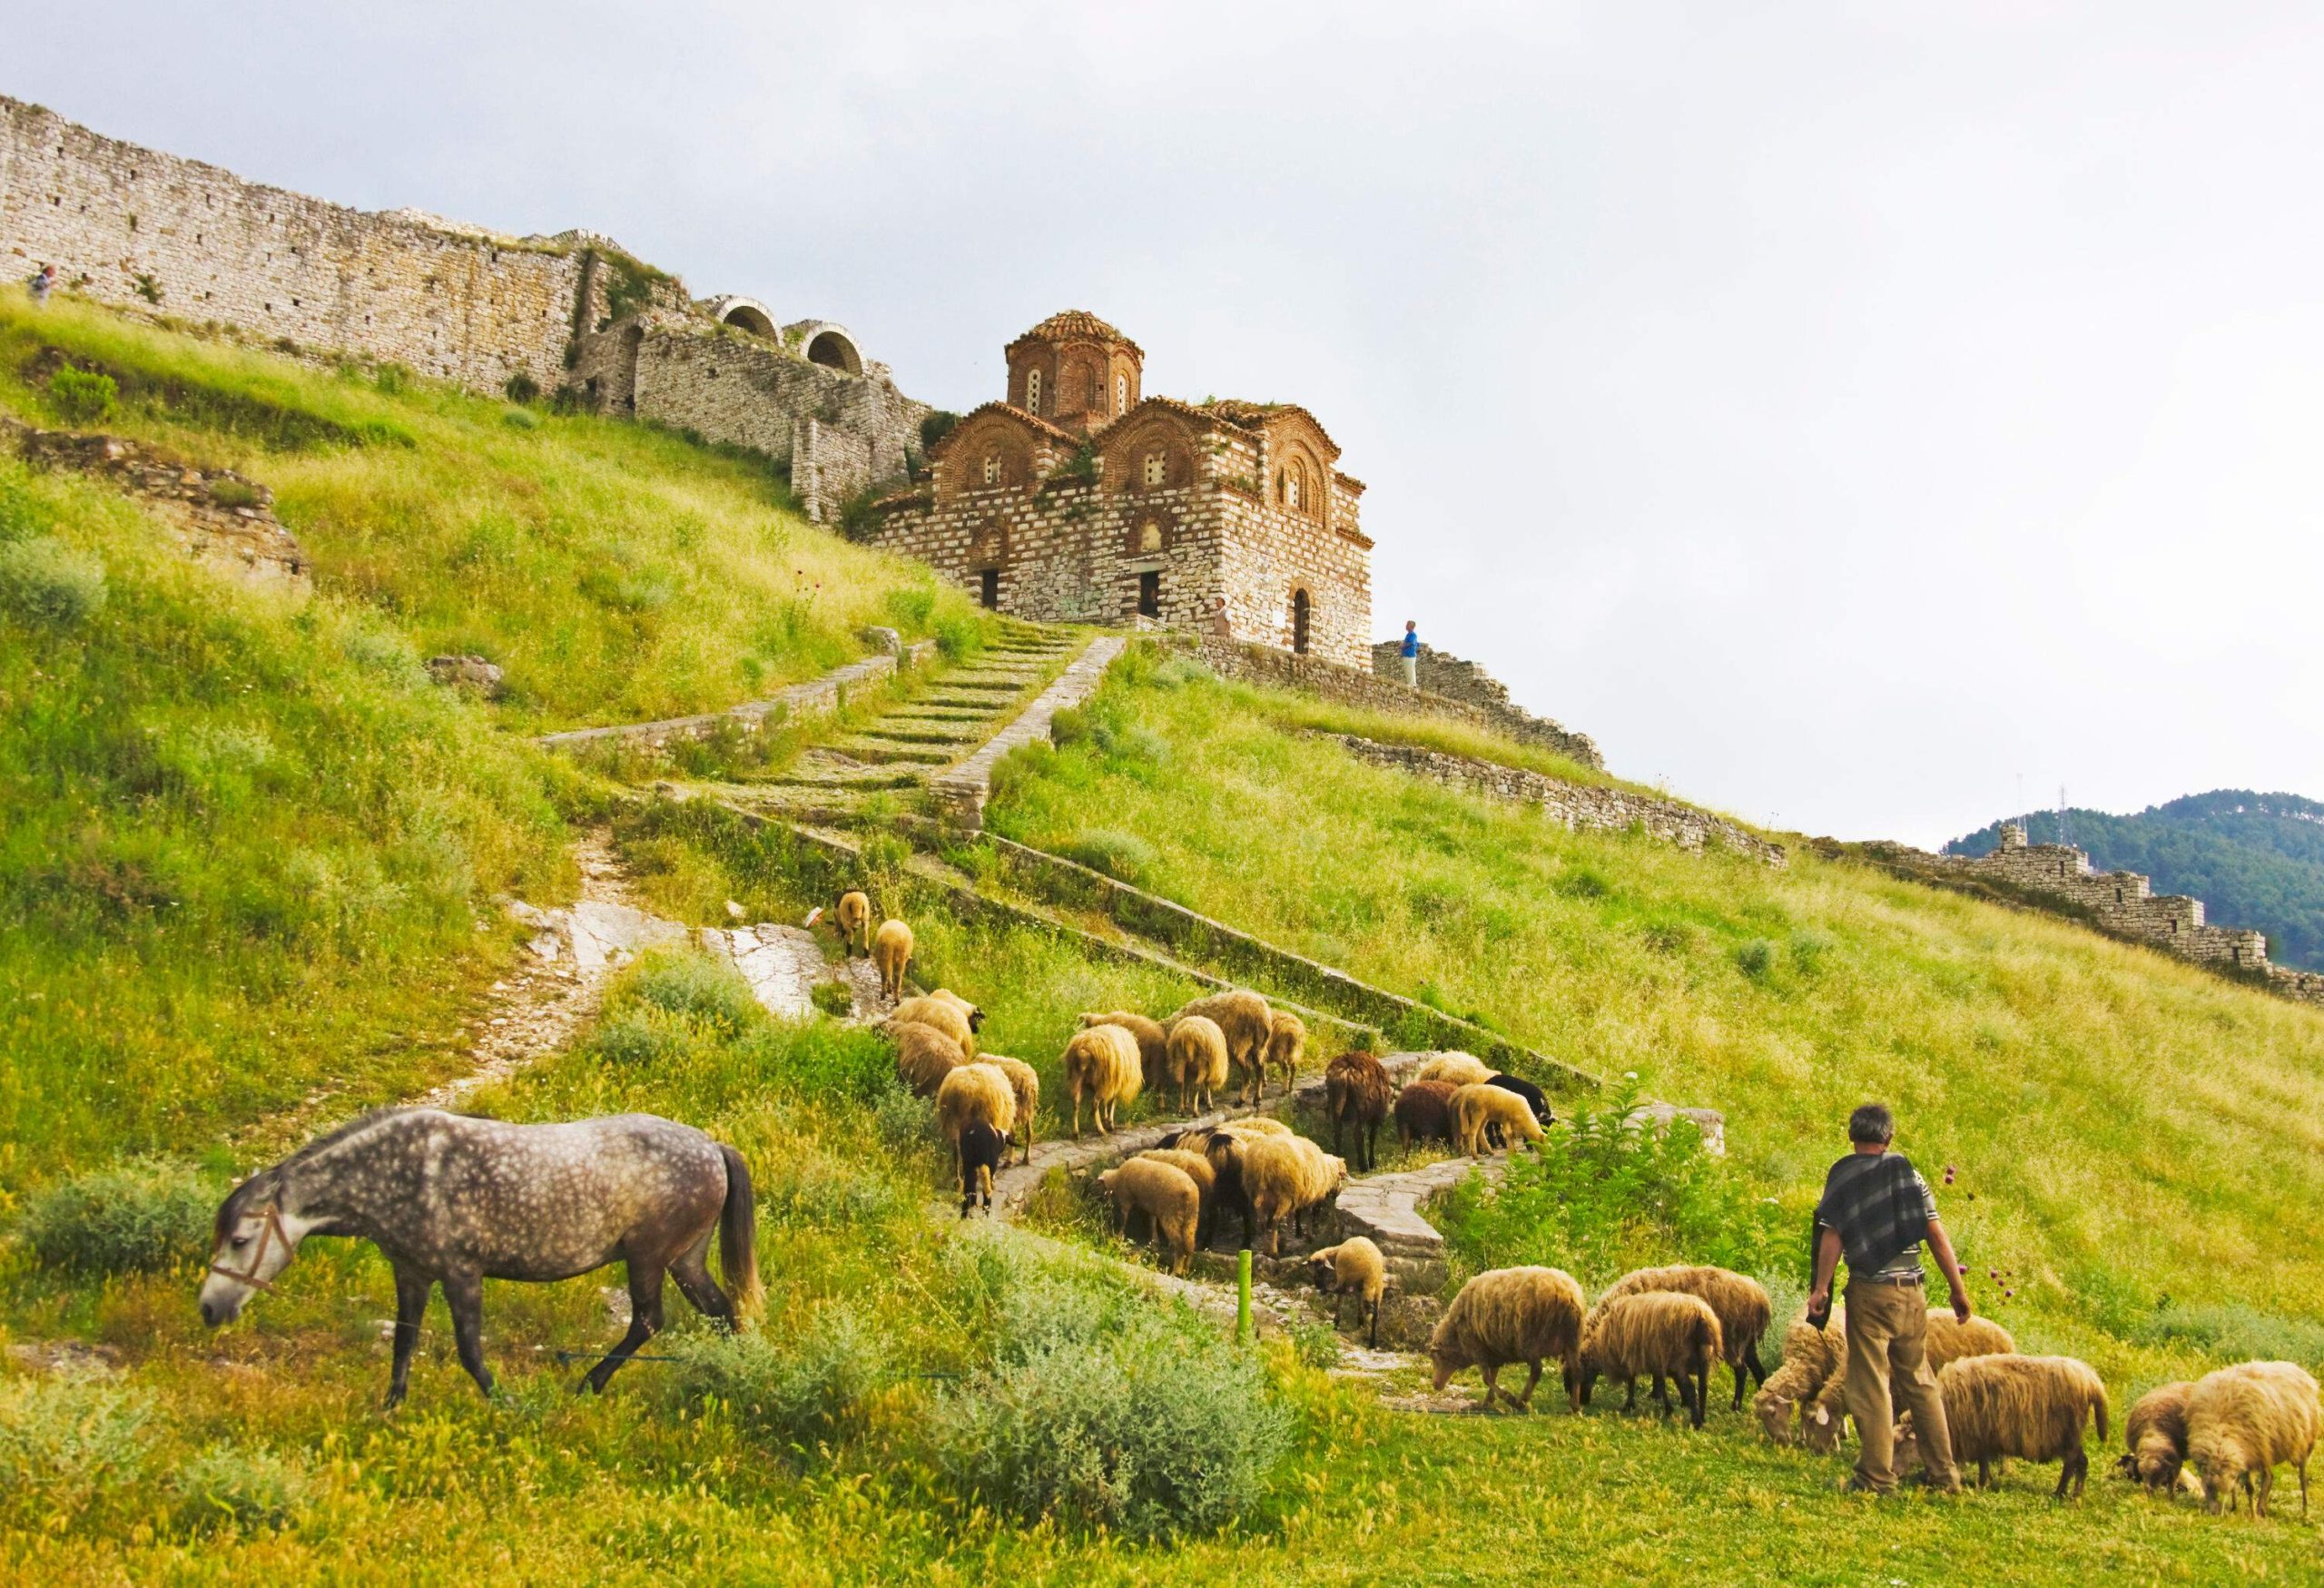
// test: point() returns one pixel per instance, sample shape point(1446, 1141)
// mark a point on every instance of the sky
point(1869, 420)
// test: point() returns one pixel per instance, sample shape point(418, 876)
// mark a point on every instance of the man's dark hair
point(1873, 1123)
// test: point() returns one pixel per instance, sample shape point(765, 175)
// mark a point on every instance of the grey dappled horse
point(456, 1200)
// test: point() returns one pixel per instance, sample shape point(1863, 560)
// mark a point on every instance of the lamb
point(1197, 1060)
point(1286, 1040)
point(1459, 1068)
point(970, 1094)
point(924, 1057)
point(892, 952)
point(1205, 1178)
point(1153, 1042)
point(1511, 1315)
point(851, 919)
point(1247, 1024)
point(982, 1150)
point(1102, 1061)
point(1165, 1194)
point(2242, 1423)
point(1535, 1099)
point(1424, 1112)
point(1025, 1082)
point(2032, 1407)
point(945, 1014)
point(1357, 1092)
point(1286, 1176)
point(1477, 1107)
point(1666, 1333)
point(2156, 1432)
point(1949, 1339)
point(1812, 1357)
point(1741, 1303)
point(1354, 1268)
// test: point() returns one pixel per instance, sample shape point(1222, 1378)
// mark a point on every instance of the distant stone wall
point(1440, 673)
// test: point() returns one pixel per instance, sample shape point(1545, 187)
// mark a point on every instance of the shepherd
point(454, 1200)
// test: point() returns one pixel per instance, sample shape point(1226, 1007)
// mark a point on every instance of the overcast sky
point(1848, 414)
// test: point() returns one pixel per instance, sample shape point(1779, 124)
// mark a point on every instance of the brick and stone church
point(1079, 498)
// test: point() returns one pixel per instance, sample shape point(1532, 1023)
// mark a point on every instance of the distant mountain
point(2254, 859)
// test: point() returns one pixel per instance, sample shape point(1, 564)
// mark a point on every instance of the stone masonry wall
point(1439, 672)
point(1268, 554)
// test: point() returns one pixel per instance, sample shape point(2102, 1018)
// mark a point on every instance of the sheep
point(1258, 1125)
point(1197, 1060)
point(1660, 1332)
point(1476, 1108)
point(1103, 1062)
point(1205, 1178)
point(1165, 1194)
point(983, 1151)
point(2003, 1405)
point(1535, 1099)
point(2242, 1423)
point(1025, 1082)
point(1354, 1268)
point(1812, 1357)
point(969, 1093)
point(1459, 1068)
point(1357, 1092)
point(924, 1057)
point(944, 1014)
point(1286, 1042)
point(1741, 1303)
point(892, 952)
point(1286, 1176)
point(851, 919)
point(1949, 1339)
point(1223, 1150)
point(1243, 1018)
point(1511, 1315)
point(1153, 1042)
point(2156, 1432)
point(1424, 1112)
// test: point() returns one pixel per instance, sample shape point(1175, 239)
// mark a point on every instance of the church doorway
point(1150, 593)
point(989, 589)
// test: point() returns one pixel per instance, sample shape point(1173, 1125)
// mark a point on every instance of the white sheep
point(1666, 1333)
point(1354, 1268)
point(2245, 1421)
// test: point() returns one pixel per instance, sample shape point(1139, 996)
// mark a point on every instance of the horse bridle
point(273, 1230)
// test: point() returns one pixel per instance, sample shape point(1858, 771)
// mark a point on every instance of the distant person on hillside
point(1409, 652)
point(1218, 624)
point(1876, 1209)
point(43, 280)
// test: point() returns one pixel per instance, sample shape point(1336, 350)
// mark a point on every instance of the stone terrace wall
point(1440, 673)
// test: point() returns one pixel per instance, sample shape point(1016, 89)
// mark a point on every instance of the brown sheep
point(1424, 1112)
point(1459, 1068)
point(1258, 1125)
point(1286, 1043)
point(1246, 1022)
point(1197, 1061)
point(973, 1094)
point(1153, 1042)
point(1949, 1340)
point(2156, 1432)
point(1357, 1093)
point(1285, 1176)
point(1812, 1357)
point(1354, 1268)
point(1665, 1333)
point(1741, 1302)
point(2031, 1407)
point(924, 1057)
point(1477, 1108)
point(1165, 1194)
point(851, 919)
point(2242, 1423)
point(892, 952)
point(1511, 1315)
point(1205, 1178)
point(942, 1013)
point(1026, 1082)
point(1103, 1063)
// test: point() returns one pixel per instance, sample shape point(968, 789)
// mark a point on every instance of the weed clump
point(695, 987)
point(798, 1394)
point(83, 397)
point(140, 1217)
point(224, 1487)
point(46, 581)
point(66, 1441)
point(1123, 856)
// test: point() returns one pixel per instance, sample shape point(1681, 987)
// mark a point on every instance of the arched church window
point(1157, 469)
point(992, 468)
point(1032, 391)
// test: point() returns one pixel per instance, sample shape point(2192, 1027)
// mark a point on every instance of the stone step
point(957, 682)
point(893, 755)
point(842, 774)
point(937, 715)
point(885, 732)
point(985, 705)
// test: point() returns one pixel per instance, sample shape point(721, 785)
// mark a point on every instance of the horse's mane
point(267, 1180)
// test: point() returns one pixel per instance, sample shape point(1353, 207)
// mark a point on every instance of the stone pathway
point(962, 791)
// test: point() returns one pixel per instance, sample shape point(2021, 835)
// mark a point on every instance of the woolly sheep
point(892, 952)
point(1205, 1178)
point(1025, 1082)
point(2156, 1432)
point(924, 1057)
point(1153, 1042)
point(1811, 1358)
point(1459, 1068)
point(1223, 1150)
point(1258, 1125)
point(1424, 1112)
point(1476, 1108)
point(983, 1151)
point(1741, 1303)
point(2031, 1407)
point(942, 1013)
point(1165, 1194)
point(1665, 1333)
point(1949, 1339)
point(1286, 1042)
point(1535, 1099)
point(851, 919)
point(971, 1093)
point(2242, 1423)
point(1103, 1063)
point(1197, 1061)
point(1243, 1018)
point(1285, 1176)
point(1357, 1093)
point(1354, 1268)
point(1511, 1315)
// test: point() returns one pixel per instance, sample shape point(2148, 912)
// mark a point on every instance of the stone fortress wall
point(1452, 678)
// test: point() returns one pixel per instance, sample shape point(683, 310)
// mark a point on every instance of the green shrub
point(911, 608)
point(1756, 959)
point(633, 1038)
point(22, 514)
point(224, 1487)
point(139, 1216)
point(1028, 763)
point(1122, 856)
point(832, 998)
point(797, 1394)
point(901, 1119)
point(823, 1060)
point(517, 418)
point(1068, 728)
point(959, 636)
point(1314, 1340)
point(83, 397)
point(65, 1441)
point(522, 388)
point(228, 492)
point(935, 426)
point(694, 986)
point(46, 581)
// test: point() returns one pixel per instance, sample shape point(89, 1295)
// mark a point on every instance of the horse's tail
point(738, 1237)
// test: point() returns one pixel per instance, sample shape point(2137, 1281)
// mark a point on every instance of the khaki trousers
point(1888, 1340)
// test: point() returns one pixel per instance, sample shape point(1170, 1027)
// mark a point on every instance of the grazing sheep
point(1026, 1082)
point(1535, 1099)
point(1225, 1150)
point(1285, 1176)
point(851, 919)
point(1741, 1303)
point(2156, 1432)
point(1459, 1068)
point(2242, 1423)
point(1424, 1112)
point(1477, 1107)
point(1357, 1093)
point(1949, 1339)
point(1102, 1061)
point(1511, 1315)
point(1197, 1061)
point(1354, 1268)
point(892, 952)
point(1666, 1333)
point(1286, 1042)
point(1165, 1194)
point(924, 1057)
point(1153, 1042)
point(983, 1151)
point(971, 1093)
point(1258, 1125)
point(945, 1014)
point(2031, 1407)
point(1812, 1357)
point(1247, 1024)
point(1205, 1178)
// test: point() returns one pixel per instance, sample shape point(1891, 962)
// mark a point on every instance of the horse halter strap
point(273, 1230)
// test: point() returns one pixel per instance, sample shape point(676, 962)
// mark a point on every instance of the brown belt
point(1888, 1279)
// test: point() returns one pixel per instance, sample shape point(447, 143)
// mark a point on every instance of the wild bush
point(522, 388)
point(140, 1216)
point(2232, 1331)
point(231, 493)
point(832, 998)
point(226, 1486)
point(65, 1441)
point(692, 985)
point(635, 1039)
point(1123, 856)
point(46, 581)
point(795, 1391)
point(83, 397)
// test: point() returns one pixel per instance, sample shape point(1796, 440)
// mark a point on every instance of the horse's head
point(253, 1240)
